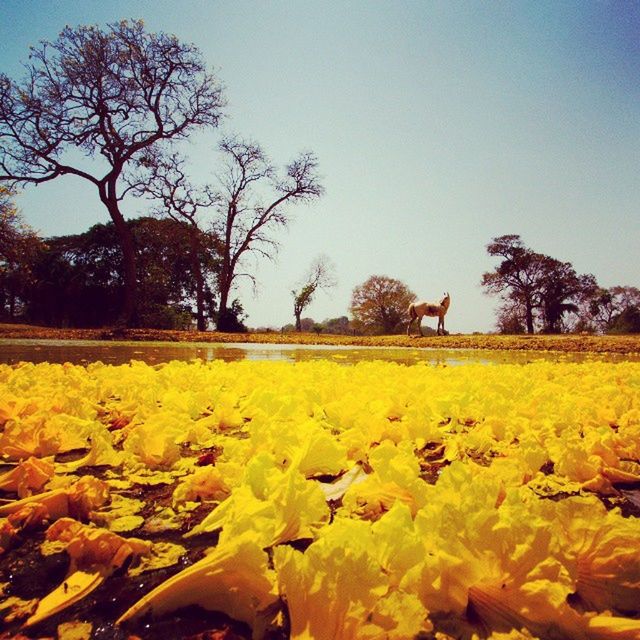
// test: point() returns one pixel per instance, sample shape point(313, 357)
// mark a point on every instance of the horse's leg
point(420, 326)
point(409, 325)
point(440, 324)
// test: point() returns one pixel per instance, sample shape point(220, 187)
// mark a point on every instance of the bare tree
point(108, 95)
point(255, 202)
point(321, 275)
point(162, 177)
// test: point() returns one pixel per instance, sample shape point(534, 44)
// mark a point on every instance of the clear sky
point(438, 126)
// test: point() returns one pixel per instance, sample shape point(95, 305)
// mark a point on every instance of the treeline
point(542, 294)
point(539, 294)
point(347, 327)
point(337, 326)
point(77, 280)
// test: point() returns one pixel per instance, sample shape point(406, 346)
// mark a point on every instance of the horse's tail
point(412, 311)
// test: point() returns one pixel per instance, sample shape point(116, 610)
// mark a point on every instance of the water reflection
point(83, 352)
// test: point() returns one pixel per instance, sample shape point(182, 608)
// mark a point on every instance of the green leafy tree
point(601, 308)
point(79, 278)
point(379, 305)
point(627, 321)
point(536, 289)
point(234, 317)
point(560, 290)
point(510, 319)
point(108, 95)
point(340, 325)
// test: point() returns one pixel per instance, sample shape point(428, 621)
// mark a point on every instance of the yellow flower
point(395, 477)
point(28, 477)
point(278, 505)
point(154, 443)
point(605, 549)
point(206, 483)
point(234, 578)
point(332, 588)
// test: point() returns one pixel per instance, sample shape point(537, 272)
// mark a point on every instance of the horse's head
point(446, 301)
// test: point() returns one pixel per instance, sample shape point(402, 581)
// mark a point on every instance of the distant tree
point(518, 277)
point(510, 320)
point(584, 320)
point(627, 321)
point(19, 246)
point(379, 305)
point(169, 291)
point(234, 318)
point(534, 287)
point(51, 299)
point(109, 95)
point(340, 325)
point(248, 216)
point(307, 325)
point(320, 275)
point(601, 308)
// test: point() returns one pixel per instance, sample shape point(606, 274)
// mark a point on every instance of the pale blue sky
point(438, 125)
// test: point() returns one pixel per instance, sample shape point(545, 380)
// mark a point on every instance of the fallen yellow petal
point(75, 587)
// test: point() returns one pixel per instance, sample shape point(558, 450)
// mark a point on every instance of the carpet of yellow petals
point(327, 502)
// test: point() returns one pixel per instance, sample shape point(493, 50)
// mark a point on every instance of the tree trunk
point(129, 312)
point(298, 321)
point(389, 322)
point(529, 317)
point(222, 307)
point(197, 274)
point(226, 276)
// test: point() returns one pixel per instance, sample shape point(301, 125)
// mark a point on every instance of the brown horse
point(430, 309)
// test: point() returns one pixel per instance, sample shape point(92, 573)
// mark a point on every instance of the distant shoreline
point(621, 344)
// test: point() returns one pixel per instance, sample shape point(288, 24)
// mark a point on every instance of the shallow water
point(113, 352)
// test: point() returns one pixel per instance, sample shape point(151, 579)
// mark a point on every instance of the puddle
point(113, 352)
